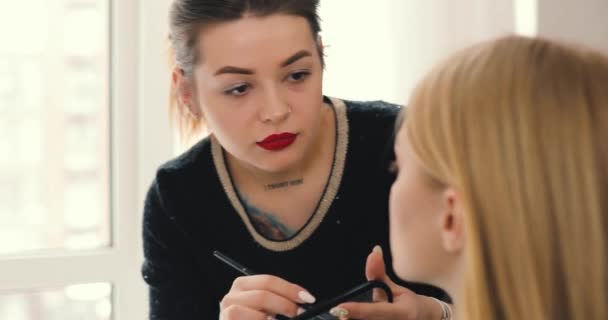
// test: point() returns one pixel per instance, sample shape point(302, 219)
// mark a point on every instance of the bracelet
point(446, 310)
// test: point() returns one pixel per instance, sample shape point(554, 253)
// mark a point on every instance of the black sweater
point(191, 210)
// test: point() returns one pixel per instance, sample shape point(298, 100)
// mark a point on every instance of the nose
point(274, 109)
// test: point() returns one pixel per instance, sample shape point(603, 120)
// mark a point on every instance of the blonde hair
point(518, 127)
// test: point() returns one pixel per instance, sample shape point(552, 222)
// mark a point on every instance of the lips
point(275, 142)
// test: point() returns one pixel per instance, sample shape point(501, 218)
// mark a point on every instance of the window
point(70, 201)
point(87, 301)
point(54, 93)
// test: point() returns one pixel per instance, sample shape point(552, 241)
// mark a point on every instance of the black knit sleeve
point(176, 285)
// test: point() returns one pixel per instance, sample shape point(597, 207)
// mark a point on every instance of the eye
point(393, 168)
point(238, 90)
point(298, 76)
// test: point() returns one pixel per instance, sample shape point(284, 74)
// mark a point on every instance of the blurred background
point(84, 123)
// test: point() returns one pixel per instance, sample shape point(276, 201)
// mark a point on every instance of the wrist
point(445, 310)
point(430, 309)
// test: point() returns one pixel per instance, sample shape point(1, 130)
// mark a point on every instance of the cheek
point(307, 113)
point(232, 131)
point(304, 95)
point(223, 114)
point(410, 228)
point(399, 224)
point(402, 204)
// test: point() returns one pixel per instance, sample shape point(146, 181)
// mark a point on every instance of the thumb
point(376, 270)
point(374, 266)
point(358, 310)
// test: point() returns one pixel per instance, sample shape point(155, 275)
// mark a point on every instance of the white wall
point(379, 51)
point(581, 21)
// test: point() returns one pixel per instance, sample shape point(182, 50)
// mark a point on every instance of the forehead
point(252, 40)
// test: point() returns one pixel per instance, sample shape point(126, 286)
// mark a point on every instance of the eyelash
point(233, 90)
point(303, 74)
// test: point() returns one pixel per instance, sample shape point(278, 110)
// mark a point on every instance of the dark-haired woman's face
point(258, 77)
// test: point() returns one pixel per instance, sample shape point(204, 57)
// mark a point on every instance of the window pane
point(86, 301)
point(54, 120)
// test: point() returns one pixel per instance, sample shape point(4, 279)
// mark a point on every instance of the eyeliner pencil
point(237, 266)
point(243, 270)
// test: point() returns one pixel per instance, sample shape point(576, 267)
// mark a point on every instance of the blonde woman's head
point(502, 192)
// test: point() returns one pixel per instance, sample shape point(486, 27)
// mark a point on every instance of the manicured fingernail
point(378, 249)
point(339, 312)
point(306, 297)
point(300, 311)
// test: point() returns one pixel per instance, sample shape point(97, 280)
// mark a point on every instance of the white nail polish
point(306, 297)
point(300, 311)
point(338, 312)
point(378, 249)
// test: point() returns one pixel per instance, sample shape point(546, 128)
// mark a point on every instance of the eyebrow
point(237, 70)
point(231, 69)
point(297, 56)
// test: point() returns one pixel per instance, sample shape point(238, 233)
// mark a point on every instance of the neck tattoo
point(283, 184)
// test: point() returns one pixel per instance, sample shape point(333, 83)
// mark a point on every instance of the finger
point(275, 285)
point(262, 301)
point(375, 269)
point(235, 312)
point(368, 311)
point(374, 266)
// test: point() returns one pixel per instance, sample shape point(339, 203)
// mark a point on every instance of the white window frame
point(140, 140)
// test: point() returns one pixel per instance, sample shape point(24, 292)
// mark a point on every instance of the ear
point(452, 222)
point(185, 92)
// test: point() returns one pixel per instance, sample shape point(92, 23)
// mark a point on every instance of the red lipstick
point(275, 142)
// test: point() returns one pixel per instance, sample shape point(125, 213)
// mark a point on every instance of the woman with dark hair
point(289, 182)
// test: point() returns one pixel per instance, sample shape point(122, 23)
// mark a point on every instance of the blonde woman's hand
point(407, 305)
point(262, 297)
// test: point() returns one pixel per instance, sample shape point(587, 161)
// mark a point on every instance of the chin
point(399, 271)
point(274, 167)
point(406, 271)
point(277, 163)
point(280, 161)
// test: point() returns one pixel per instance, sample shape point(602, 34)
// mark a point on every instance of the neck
point(266, 178)
point(453, 284)
point(457, 299)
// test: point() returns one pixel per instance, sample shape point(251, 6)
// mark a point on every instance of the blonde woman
point(502, 191)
